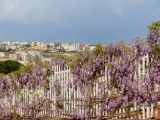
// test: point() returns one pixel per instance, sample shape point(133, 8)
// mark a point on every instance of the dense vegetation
point(154, 26)
point(120, 60)
point(9, 66)
point(9, 50)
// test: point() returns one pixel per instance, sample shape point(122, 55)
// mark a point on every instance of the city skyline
point(76, 21)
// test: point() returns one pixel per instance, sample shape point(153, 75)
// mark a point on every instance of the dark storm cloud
point(84, 21)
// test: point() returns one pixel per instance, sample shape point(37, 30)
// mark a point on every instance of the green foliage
point(23, 69)
point(2, 74)
point(78, 60)
point(9, 66)
point(62, 50)
point(26, 68)
point(8, 51)
point(73, 51)
point(99, 48)
point(46, 51)
point(90, 105)
point(154, 26)
point(58, 104)
point(71, 65)
point(2, 50)
point(64, 57)
point(126, 48)
point(156, 50)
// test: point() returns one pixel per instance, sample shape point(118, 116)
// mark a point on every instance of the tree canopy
point(154, 25)
point(9, 66)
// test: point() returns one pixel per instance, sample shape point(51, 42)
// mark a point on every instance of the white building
point(34, 53)
point(65, 46)
point(13, 47)
point(74, 46)
point(17, 43)
point(26, 57)
point(52, 44)
point(24, 43)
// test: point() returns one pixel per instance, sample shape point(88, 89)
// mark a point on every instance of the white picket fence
point(65, 77)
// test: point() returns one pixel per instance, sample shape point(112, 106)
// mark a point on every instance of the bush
point(9, 66)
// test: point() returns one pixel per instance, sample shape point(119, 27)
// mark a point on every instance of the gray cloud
point(76, 20)
point(58, 10)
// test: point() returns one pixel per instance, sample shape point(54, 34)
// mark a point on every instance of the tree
point(9, 66)
point(154, 26)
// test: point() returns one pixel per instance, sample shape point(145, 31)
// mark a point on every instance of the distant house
point(82, 46)
point(13, 47)
point(3, 46)
point(15, 56)
point(4, 55)
point(34, 52)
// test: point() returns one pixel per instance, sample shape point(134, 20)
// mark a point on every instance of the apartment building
point(3, 46)
point(33, 44)
point(16, 43)
point(65, 46)
point(52, 45)
point(39, 45)
point(34, 52)
point(13, 47)
point(15, 56)
point(4, 55)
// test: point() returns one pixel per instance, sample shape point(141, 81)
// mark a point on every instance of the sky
point(80, 21)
